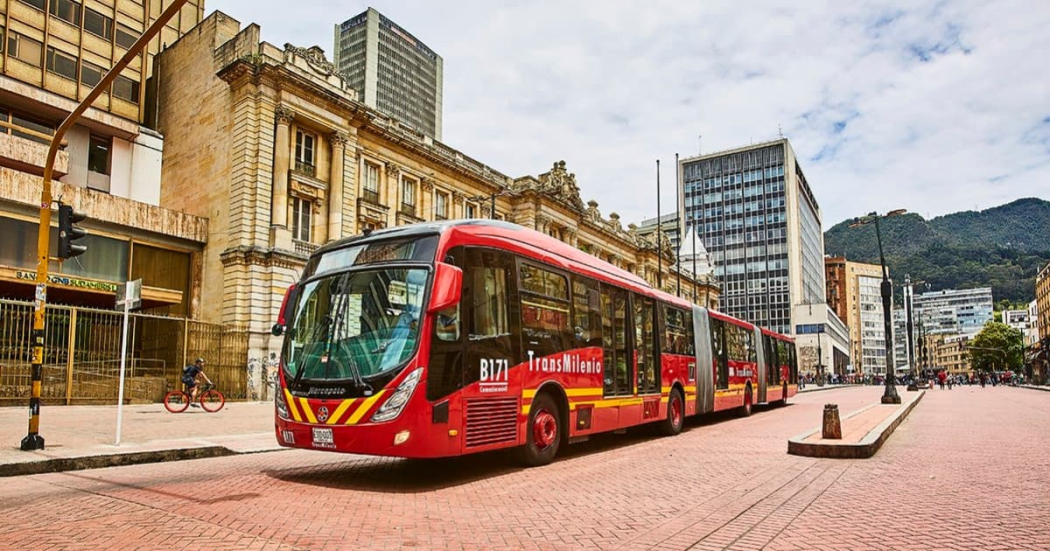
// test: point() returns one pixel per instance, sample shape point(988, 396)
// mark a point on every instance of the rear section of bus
point(356, 333)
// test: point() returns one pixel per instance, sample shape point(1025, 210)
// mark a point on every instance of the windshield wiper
point(341, 307)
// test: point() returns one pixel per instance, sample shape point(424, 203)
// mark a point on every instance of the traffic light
point(68, 233)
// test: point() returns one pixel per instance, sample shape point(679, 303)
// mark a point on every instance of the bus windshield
point(355, 325)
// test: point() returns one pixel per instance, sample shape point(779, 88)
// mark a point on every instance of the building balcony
point(304, 247)
point(407, 215)
point(371, 196)
point(305, 168)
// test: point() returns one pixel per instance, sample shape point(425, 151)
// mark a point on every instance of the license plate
point(323, 438)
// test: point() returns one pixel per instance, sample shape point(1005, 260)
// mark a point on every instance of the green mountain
point(1002, 247)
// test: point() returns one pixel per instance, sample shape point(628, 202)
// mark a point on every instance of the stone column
point(426, 199)
point(281, 237)
point(458, 208)
point(389, 193)
point(335, 185)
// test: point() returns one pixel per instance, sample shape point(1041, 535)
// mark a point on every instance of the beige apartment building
point(854, 293)
point(1042, 304)
point(950, 352)
point(53, 53)
point(281, 155)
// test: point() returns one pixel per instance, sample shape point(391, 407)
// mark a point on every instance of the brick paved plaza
point(968, 469)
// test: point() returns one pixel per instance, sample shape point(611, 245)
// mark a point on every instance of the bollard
point(832, 426)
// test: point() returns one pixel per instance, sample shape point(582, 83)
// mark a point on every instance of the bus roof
point(534, 242)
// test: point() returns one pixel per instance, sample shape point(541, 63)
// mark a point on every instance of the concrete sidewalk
point(83, 437)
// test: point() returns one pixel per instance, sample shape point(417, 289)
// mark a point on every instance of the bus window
point(544, 311)
point(445, 371)
point(718, 347)
point(792, 363)
point(678, 331)
point(644, 337)
point(486, 304)
point(587, 316)
point(617, 377)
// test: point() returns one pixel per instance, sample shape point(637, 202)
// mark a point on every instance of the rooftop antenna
point(780, 131)
point(700, 147)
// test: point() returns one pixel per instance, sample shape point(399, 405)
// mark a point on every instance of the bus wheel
point(672, 425)
point(543, 432)
point(746, 410)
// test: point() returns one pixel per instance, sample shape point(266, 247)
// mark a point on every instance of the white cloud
point(930, 106)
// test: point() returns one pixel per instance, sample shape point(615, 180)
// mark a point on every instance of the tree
point(997, 346)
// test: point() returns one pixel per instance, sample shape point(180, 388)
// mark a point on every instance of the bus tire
point(745, 411)
point(672, 425)
point(543, 433)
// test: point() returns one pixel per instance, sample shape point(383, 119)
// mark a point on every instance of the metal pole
point(678, 229)
point(33, 440)
point(693, 233)
point(123, 362)
point(909, 329)
point(659, 249)
point(890, 395)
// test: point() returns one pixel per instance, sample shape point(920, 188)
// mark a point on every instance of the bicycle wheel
point(212, 401)
point(176, 401)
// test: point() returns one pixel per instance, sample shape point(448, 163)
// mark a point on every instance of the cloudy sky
point(930, 106)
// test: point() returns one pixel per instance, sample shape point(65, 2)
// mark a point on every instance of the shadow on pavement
point(409, 476)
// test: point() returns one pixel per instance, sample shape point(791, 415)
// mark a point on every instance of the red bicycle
point(210, 400)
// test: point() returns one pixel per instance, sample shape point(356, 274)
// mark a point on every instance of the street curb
point(861, 450)
point(118, 460)
point(826, 387)
point(1032, 387)
point(110, 460)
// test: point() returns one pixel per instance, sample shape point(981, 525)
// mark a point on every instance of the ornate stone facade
point(294, 160)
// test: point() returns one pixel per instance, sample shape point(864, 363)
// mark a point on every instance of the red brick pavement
point(973, 458)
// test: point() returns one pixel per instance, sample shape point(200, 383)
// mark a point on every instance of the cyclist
point(191, 376)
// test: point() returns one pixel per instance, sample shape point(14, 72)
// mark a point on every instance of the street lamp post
point(890, 395)
point(909, 325)
point(492, 201)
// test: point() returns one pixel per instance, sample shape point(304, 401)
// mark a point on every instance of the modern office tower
point(954, 311)
point(761, 225)
point(393, 71)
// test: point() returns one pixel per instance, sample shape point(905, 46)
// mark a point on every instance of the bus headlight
point(278, 403)
point(396, 402)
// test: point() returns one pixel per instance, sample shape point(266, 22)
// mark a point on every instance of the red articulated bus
point(444, 339)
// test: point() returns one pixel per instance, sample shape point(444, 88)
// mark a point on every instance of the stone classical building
point(294, 159)
point(854, 293)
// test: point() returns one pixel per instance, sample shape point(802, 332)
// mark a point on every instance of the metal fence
point(82, 355)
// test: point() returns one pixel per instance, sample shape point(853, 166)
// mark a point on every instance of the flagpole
point(659, 251)
point(678, 229)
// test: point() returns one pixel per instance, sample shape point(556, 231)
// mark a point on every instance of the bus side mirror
point(448, 287)
point(283, 320)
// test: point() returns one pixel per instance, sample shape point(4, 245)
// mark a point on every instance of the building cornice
point(258, 256)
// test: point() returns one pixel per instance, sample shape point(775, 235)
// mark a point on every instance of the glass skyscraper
point(392, 70)
point(761, 225)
